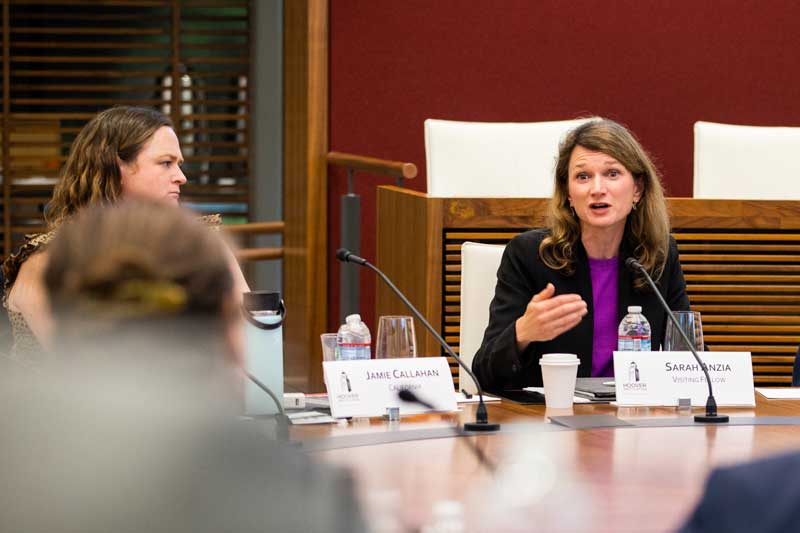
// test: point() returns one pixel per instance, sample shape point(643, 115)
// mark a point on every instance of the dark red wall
point(655, 66)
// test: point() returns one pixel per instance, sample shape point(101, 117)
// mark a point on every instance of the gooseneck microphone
point(481, 416)
point(711, 415)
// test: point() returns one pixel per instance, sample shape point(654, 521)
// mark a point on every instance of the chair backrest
point(479, 264)
point(746, 162)
point(493, 159)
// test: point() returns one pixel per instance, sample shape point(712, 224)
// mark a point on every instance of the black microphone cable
point(281, 420)
point(266, 389)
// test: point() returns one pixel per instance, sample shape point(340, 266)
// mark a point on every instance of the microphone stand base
point(711, 419)
point(481, 426)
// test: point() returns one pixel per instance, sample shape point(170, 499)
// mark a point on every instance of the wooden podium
point(741, 260)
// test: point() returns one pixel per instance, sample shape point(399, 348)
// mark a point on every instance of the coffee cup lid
point(559, 359)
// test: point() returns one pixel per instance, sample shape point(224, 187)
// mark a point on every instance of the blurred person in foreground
point(565, 288)
point(132, 424)
point(123, 152)
point(759, 496)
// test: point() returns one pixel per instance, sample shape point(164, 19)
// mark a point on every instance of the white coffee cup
point(559, 371)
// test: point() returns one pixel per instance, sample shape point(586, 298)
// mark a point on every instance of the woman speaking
point(565, 288)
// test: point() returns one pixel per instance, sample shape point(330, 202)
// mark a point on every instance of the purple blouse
point(604, 294)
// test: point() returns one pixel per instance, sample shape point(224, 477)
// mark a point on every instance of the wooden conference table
point(548, 477)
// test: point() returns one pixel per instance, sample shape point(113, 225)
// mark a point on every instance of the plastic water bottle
point(353, 340)
point(634, 332)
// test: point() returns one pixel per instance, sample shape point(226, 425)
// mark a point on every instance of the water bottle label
point(352, 351)
point(633, 343)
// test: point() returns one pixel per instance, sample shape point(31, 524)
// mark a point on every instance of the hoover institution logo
point(346, 393)
point(344, 382)
point(633, 383)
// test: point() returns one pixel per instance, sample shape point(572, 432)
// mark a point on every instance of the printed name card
point(660, 378)
point(367, 387)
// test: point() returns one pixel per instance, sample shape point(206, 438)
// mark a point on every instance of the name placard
point(660, 378)
point(367, 387)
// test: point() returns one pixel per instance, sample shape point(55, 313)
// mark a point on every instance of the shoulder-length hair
point(647, 227)
point(92, 171)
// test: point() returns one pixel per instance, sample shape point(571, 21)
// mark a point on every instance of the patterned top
point(26, 346)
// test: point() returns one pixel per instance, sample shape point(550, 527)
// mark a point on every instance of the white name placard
point(367, 387)
point(660, 378)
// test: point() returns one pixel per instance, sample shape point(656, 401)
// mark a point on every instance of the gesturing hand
point(547, 316)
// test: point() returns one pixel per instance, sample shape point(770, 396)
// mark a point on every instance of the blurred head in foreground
point(133, 426)
point(142, 275)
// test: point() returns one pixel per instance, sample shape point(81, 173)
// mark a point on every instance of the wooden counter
point(549, 478)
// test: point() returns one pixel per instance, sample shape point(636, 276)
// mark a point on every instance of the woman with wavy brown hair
point(565, 288)
point(122, 152)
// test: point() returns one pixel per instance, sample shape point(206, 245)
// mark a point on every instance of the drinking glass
point(328, 346)
point(396, 337)
point(691, 325)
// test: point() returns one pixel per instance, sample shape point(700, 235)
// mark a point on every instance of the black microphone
point(346, 256)
point(481, 416)
point(408, 396)
point(711, 415)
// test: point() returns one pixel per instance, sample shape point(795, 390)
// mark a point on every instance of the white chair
point(493, 159)
point(746, 162)
point(479, 264)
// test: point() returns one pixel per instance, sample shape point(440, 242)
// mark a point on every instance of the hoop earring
point(571, 208)
point(635, 205)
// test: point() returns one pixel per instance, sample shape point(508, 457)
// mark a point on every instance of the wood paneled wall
point(305, 189)
point(740, 260)
point(63, 61)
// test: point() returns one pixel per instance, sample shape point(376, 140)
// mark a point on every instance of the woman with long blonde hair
point(565, 288)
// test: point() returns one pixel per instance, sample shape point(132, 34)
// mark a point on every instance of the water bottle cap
point(353, 319)
point(634, 308)
point(261, 301)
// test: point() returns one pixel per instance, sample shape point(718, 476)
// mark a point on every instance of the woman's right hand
point(547, 316)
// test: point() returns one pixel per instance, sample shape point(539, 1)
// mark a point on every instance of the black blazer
point(498, 365)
